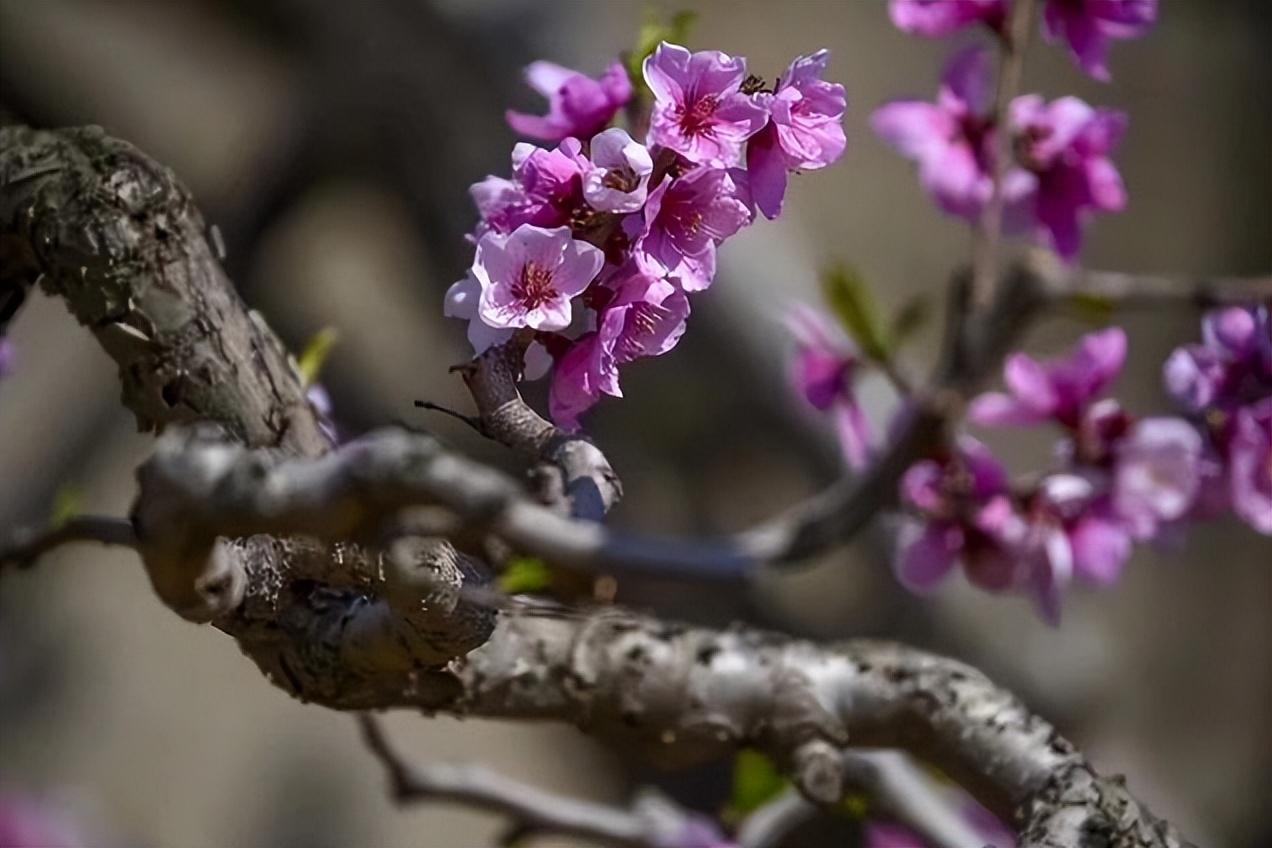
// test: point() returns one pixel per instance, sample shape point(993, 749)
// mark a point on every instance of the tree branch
point(334, 623)
point(29, 544)
point(652, 822)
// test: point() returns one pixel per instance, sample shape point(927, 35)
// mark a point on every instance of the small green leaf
point(655, 28)
point(315, 353)
point(755, 781)
point(525, 574)
point(1093, 308)
point(68, 502)
point(850, 299)
point(910, 318)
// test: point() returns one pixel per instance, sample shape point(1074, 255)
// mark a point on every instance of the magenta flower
point(805, 130)
point(578, 106)
point(965, 514)
point(684, 220)
point(645, 317)
point(618, 180)
point(1250, 466)
point(991, 832)
point(528, 278)
point(1065, 146)
point(699, 110)
point(1059, 389)
point(462, 300)
point(823, 373)
point(1232, 366)
point(951, 140)
point(545, 189)
point(935, 18)
point(1088, 26)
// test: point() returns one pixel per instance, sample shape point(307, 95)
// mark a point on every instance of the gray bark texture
point(346, 578)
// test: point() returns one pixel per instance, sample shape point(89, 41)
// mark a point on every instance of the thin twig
point(26, 545)
point(531, 810)
point(470, 420)
point(989, 228)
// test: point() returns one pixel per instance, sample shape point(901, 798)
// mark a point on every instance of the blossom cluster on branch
point(588, 253)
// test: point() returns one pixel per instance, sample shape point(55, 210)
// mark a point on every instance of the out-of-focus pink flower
point(25, 823)
point(618, 180)
point(699, 110)
point(1156, 474)
point(1250, 465)
point(935, 18)
point(1088, 26)
point(951, 140)
point(965, 514)
point(823, 373)
point(684, 220)
point(462, 301)
point(6, 356)
point(805, 130)
point(1231, 367)
point(527, 278)
point(1059, 389)
point(1065, 145)
point(578, 106)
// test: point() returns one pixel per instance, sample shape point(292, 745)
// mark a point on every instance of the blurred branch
point(895, 786)
point(648, 824)
point(26, 545)
point(989, 229)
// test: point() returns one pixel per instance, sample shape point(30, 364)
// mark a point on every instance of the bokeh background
point(332, 144)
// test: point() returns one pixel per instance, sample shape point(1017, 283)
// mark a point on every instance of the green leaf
point(755, 781)
point(315, 353)
point(655, 28)
point(1093, 308)
point(525, 574)
point(68, 502)
point(850, 299)
point(910, 318)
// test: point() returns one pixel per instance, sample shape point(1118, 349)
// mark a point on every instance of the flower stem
point(989, 228)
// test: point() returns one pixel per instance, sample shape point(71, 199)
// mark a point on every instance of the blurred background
point(332, 145)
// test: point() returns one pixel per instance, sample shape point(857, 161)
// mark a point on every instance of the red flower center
point(696, 118)
point(533, 286)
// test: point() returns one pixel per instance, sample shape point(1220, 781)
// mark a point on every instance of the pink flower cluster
point(588, 252)
point(1060, 173)
point(1086, 26)
point(1119, 479)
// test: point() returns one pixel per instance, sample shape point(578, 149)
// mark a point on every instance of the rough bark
point(116, 236)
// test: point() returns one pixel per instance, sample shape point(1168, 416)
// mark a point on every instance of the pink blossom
point(965, 515)
point(645, 317)
point(1059, 389)
point(6, 356)
point(1250, 465)
point(528, 278)
point(545, 189)
point(1232, 366)
point(951, 140)
point(462, 301)
point(618, 179)
point(1087, 26)
point(1156, 474)
point(823, 372)
point(699, 110)
point(684, 220)
point(935, 18)
point(805, 130)
point(1064, 145)
point(578, 106)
